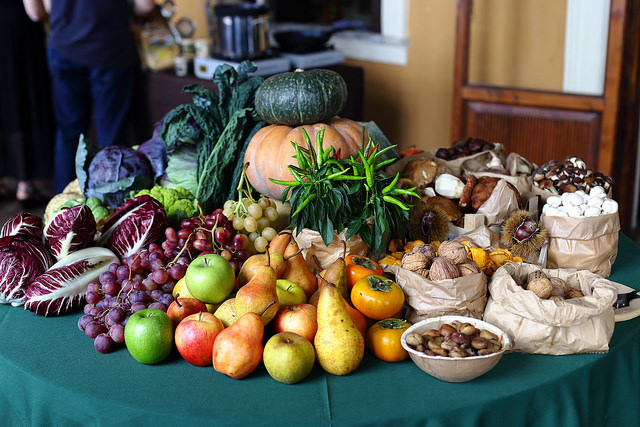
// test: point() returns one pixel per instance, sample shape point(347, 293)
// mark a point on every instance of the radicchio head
point(23, 224)
point(22, 259)
point(138, 222)
point(71, 229)
point(62, 288)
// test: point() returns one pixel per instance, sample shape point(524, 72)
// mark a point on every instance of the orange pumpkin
point(270, 152)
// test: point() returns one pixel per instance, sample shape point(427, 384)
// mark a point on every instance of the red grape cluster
point(143, 280)
point(212, 233)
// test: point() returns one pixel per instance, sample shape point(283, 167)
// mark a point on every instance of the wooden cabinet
point(544, 125)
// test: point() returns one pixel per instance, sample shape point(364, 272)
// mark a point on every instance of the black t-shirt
point(95, 33)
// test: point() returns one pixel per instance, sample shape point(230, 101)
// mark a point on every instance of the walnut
point(425, 249)
point(469, 267)
point(536, 274)
point(574, 293)
point(541, 287)
point(443, 269)
point(414, 261)
point(424, 272)
point(455, 251)
point(560, 287)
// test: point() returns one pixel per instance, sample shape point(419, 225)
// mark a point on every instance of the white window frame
point(388, 47)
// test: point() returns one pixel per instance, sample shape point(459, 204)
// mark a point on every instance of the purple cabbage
point(138, 222)
point(71, 229)
point(22, 259)
point(156, 152)
point(62, 288)
point(23, 224)
point(115, 171)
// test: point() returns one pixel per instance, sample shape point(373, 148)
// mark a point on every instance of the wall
point(412, 104)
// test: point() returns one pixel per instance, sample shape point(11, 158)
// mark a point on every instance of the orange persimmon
point(359, 266)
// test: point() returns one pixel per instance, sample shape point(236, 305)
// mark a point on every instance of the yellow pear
point(336, 273)
point(227, 312)
point(258, 294)
point(339, 344)
point(237, 350)
point(297, 271)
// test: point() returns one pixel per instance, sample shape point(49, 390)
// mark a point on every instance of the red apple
point(195, 335)
point(183, 307)
point(300, 319)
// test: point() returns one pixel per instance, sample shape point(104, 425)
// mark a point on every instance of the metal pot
point(242, 30)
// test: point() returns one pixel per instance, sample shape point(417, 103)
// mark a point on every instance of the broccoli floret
point(181, 209)
point(178, 202)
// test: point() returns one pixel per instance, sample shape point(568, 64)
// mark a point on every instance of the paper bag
point(585, 243)
point(464, 296)
point(320, 256)
point(500, 204)
point(455, 165)
point(576, 325)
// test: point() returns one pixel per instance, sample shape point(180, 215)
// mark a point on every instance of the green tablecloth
point(51, 375)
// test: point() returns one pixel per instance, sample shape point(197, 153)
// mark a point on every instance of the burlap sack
point(585, 243)
point(576, 325)
point(313, 248)
point(464, 296)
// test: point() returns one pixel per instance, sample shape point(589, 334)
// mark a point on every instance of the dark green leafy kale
point(218, 126)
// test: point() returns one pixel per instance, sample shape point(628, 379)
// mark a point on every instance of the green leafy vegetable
point(215, 129)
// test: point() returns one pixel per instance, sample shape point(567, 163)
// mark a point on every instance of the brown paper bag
point(576, 325)
point(500, 204)
point(464, 296)
point(312, 245)
point(455, 165)
point(589, 243)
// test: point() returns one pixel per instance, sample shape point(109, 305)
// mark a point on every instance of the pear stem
point(292, 255)
point(267, 307)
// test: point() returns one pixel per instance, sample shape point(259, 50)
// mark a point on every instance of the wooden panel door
point(544, 125)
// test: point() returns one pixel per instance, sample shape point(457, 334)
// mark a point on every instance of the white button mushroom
point(609, 206)
point(554, 201)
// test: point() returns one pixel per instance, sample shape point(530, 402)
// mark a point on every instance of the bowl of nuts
point(455, 348)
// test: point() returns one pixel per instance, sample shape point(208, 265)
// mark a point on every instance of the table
point(51, 375)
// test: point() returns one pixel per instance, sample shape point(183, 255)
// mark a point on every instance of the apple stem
point(178, 300)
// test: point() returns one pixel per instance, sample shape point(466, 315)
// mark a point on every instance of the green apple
point(289, 293)
point(210, 278)
point(148, 335)
point(288, 357)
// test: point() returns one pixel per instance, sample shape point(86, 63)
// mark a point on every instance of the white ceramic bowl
point(453, 369)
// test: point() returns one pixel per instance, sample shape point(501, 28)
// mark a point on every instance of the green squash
point(301, 97)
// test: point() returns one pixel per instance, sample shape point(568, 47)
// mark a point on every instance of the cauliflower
point(178, 202)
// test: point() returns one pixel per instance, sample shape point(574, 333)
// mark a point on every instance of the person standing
point(93, 62)
point(26, 112)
